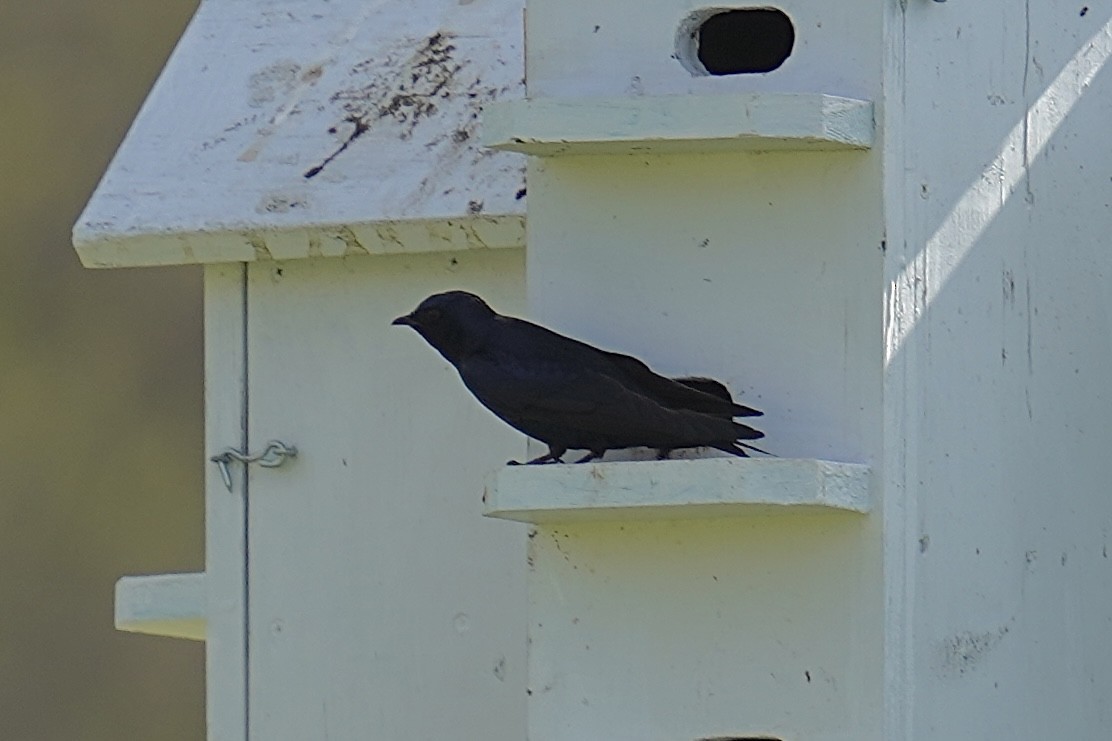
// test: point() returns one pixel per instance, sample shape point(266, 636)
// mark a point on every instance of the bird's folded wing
point(588, 408)
point(508, 387)
point(547, 347)
point(671, 393)
point(591, 404)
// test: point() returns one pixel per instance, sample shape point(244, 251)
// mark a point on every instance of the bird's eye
point(429, 315)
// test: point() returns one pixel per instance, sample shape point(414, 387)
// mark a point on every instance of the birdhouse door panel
point(364, 618)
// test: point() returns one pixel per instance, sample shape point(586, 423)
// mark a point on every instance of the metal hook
point(273, 455)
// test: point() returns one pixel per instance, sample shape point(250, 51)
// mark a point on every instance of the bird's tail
point(754, 447)
point(738, 448)
point(718, 390)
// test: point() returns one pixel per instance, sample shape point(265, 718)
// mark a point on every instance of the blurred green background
point(101, 456)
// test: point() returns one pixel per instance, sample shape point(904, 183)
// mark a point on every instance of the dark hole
point(741, 42)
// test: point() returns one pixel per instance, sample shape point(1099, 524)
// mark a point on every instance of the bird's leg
point(542, 459)
point(663, 454)
point(592, 456)
point(552, 456)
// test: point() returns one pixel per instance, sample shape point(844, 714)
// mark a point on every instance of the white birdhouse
point(883, 224)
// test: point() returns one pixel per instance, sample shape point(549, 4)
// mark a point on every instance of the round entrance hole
point(746, 41)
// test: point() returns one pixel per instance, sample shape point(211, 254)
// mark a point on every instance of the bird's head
point(455, 323)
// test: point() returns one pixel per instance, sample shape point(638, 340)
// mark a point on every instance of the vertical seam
point(245, 441)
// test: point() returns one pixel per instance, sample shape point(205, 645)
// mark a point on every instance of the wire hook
point(273, 455)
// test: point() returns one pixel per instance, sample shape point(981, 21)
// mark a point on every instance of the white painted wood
point(680, 489)
point(225, 511)
point(629, 48)
point(999, 346)
point(763, 270)
point(259, 94)
point(682, 261)
point(898, 471)
point(309, 241)
point(678, 124)
point(704, 629)
point(382, 603)
point(162, 604)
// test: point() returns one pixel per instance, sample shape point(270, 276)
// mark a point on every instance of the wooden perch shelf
point(679, 123)
point(679, 489)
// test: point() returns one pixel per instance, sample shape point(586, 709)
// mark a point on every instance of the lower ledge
point(162, 604)
point(677, 489)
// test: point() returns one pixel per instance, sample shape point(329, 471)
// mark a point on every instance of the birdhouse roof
point(282, 130)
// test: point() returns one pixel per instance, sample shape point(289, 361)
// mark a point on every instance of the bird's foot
point(541, 460)
point(594, 454)
point(552, 456)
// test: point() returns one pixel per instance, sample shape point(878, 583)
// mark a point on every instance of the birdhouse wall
point(630, 47)
point(698, 629)
point(379, 603)
point(999, 355)
point(761, 270)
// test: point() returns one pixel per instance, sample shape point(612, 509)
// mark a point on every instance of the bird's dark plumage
point(571, 395)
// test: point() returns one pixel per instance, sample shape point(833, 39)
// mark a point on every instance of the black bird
point(568, 394)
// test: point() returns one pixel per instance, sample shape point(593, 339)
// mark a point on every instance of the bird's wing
point(677, 394)
point(550, 347)
point(566, 404)
point(529, 390)
point(707, 386)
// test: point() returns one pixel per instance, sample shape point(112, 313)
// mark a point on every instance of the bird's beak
point(404, 321)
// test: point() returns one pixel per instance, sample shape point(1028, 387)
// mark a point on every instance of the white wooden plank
point(999, 344)
point(383, 605)
point(679, 123)
point(245, 243)
point(903, 369)
point(692, 263)
point(680, 489)
point(225, 511)
point(634, 47)
point(712, 628)
point(170, 605)
point(345, 127)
